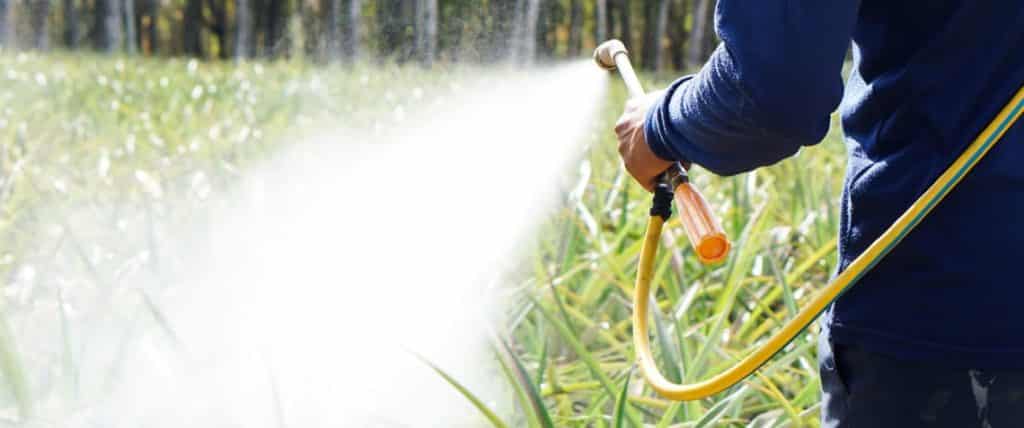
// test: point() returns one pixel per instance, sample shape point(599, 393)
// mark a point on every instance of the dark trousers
point(866, 390)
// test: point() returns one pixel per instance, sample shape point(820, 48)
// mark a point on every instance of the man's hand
point(640, 161)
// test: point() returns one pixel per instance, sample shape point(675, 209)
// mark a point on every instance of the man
point(933, 336)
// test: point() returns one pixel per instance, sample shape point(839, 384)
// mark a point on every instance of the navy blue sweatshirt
point(928, 76)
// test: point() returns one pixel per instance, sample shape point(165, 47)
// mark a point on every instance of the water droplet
point(103, 167)
point(150, 185)
point(156, 140)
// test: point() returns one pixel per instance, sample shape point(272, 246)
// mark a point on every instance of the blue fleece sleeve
point(768, 89)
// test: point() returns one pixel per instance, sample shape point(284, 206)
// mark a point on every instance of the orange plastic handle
point(702, 227)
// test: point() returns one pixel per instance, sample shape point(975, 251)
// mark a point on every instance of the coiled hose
point(862, 264)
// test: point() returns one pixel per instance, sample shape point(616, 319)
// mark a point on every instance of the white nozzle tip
point(605, 53)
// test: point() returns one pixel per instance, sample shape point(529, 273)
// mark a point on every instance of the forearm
point(746, 109)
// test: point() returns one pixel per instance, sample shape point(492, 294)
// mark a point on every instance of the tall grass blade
point(476, 402)
point(539, 408)
point(521, 396)
point(582, 352)
point(670, 358)
point(13, 371)
point(619, 417)
point(720, 408)
point(739, 266)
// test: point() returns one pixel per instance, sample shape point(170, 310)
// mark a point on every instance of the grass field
point(141, 146)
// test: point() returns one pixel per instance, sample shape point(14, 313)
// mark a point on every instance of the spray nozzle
point(604, 55)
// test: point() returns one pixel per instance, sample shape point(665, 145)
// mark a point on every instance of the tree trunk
point(660, 29)
point(152, 34)
point(425, 43)
point(220, 27)
point(351, 23)
point(333, 9)
point(611, 21)
point(308, 30)
point(243, 30)
point(501, 19)
point(543, 24)
point(257, 18)
point(40, 10)
point(657, 18)
point(528, 42)
point(191, 28)
point(547, 27)
point(677, 34)
point(701, 32)
point(70, 24)
point(600, 21)
point(392, 23)
point(575, 28)
point(451, 39)
point(107, 25)
point(625, 23)
point(710, 37)
point(647, 27)
point(139, 19)
point(130, 36)
point(6, 25)
point(517, 30)
point(273, 33)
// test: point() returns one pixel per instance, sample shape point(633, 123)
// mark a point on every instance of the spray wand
point(702, 227)
point(710, 243)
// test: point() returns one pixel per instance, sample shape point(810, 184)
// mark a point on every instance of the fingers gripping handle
point(702, 227)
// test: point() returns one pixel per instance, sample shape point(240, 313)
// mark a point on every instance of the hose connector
point(676, 175)
point(661, 205)
point(604, 55)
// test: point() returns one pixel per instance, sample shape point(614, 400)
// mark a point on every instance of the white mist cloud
point(347, 250)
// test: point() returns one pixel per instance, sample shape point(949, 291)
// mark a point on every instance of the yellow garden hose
point(862, 264)
point(874, 253)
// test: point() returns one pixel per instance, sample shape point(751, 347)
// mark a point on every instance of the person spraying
point(932, 335)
